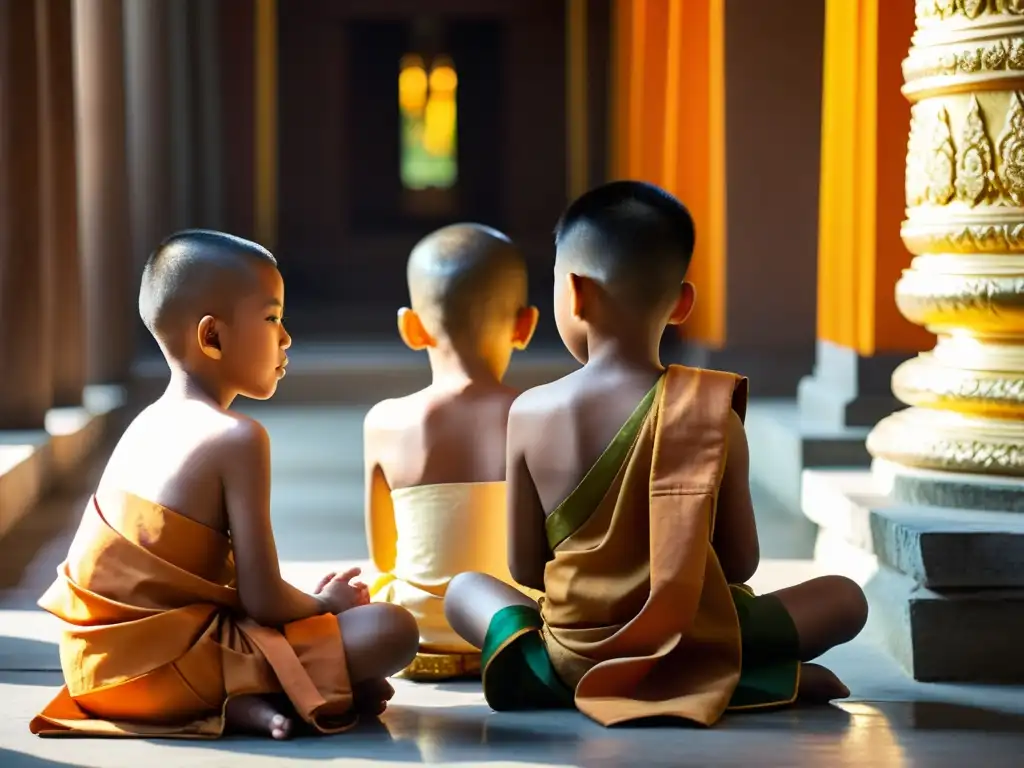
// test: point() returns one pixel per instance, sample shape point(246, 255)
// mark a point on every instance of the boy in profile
point(435, 459)
point(629, 506)
point(177, 620)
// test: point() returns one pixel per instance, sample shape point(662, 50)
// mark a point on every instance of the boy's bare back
point(176, 453)
point(438, 436)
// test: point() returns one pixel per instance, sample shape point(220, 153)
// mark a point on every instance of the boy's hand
point(340, 593)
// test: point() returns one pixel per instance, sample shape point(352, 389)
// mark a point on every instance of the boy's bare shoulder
point(539, 402)
point(392, 414)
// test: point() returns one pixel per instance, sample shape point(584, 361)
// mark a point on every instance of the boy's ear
point(576, 288)
point(684, 304)
point(411, 329)
point(209, 337)
point(526, 324)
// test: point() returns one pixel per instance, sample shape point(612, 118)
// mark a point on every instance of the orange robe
point(155, 642)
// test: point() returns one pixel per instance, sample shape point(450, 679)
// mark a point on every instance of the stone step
point(783, 444)
point(938, 548)
point(964, 636)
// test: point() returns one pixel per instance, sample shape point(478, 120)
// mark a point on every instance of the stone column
point(962, 441)
point(25, 386)
point(59, 201)
point(110, 289)
point(148, 78)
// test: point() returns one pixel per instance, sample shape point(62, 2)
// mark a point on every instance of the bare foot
point(256, 715)
point(371, 697)
point(819, 685)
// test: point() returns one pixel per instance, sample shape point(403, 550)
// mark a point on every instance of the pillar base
point(945, 586)
point(949, 489)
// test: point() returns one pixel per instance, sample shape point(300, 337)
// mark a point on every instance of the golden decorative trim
point(1003, 56)
point(960, 238)
point(986, 394)
point(989, 303)
point(429, 667)
point(918, 438)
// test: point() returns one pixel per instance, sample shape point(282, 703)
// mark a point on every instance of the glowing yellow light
point(443, 79)
point(412, 88)
point(439, 129)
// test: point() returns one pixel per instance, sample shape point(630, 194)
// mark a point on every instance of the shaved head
point(630, 236)
point(194, 273)
point(463, 275)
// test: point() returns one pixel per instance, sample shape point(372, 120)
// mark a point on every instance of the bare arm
point(266, 597)
point(381, 534)
point(735, 534)
point(527, 539)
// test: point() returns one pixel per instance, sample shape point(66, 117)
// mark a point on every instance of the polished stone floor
point(889, 720)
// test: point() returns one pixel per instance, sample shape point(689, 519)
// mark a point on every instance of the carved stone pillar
point(25, 387)
point(965, 224)
point(59, 212)
point(110, 288)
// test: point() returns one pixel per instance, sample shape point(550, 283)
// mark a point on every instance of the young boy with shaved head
point(176, 619)
point(629, 506)
point(435, 459)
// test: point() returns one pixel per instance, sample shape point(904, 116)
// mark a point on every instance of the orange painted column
point(668, 127)
point(865, 124)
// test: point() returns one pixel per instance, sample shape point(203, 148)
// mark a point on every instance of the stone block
point(939, 548)
point(965, 636)
point(950, 489)
point(945, 586)
point(25, 459)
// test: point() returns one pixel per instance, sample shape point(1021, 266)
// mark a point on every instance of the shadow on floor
point(19, 654)
point(413, 735)
point(11, 759)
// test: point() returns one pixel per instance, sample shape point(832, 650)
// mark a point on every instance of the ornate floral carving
point(972, 8)
point(977, 392)
point(974, 175)
point(998, 56)
point(979, 238)
point(947, 298)
point(1011, 151)
point(941, 161)
point(917, 157)
point(931, 447)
